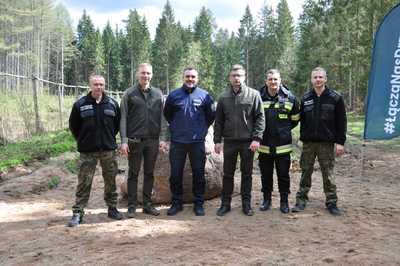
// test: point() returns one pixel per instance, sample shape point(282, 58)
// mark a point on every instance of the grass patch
point(53, 182)
point(38, 147)
point(17, 114)
point(72, 165)
point(355, 130)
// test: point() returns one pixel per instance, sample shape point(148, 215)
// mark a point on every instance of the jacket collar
point(187, 89)
point(104, 98)
point(240, 91)
point(326, 91)
point(283, 91)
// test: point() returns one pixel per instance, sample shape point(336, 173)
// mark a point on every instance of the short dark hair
point(237, 67)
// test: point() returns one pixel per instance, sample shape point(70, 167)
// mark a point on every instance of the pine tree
point(203, 30)
point(227, 52)
point(285, 42)
point(267, 55)
point(247, 40)
point(166, 50)
point(87, 46)
point(138, 42)
point(111, 58)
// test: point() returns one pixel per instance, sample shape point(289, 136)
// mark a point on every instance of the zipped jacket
point(141, 115)
point(239, 116)
point(189, 112)
point(95, 125)
point(282, 114)
point(323, 118)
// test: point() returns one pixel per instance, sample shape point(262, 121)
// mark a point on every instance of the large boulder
point(161, 189)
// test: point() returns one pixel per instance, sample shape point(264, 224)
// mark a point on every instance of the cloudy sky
point(227, 13)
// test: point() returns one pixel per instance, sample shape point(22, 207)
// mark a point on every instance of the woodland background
point(39, 44)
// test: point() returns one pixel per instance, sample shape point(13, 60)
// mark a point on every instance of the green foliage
point(203, 30)
point(355, 130)
point(53, 182)
point(112, 59)
point(137, 42)
point(226, 51)
point(90, 49)
point(38, 147)
point(355, 124)
point(247, 42)
point(72, 165)
point(336, 35)
point(167, 50)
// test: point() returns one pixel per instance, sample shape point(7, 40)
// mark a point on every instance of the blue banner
point(382, 118)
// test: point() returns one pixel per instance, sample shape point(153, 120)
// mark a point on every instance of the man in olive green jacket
point(240, 124)
point(142, 136)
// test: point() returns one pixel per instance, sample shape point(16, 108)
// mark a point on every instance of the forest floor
point(33, 222)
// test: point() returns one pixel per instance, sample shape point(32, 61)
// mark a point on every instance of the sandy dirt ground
point(33, 223)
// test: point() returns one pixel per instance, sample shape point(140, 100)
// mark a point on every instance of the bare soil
point(33, 223)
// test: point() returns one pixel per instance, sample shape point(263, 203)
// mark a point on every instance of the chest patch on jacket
point(196, 102)
point(309, 102)
point(86, 107)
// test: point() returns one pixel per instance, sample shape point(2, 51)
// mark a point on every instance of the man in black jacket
point(240, 123)
point(94, 123)
point(282, 114)
point(141, 124)
point(322, 131)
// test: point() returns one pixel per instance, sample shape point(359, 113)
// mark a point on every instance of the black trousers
point(146, 149)
point(197, 158)
point(282, 165)
point(233, 149)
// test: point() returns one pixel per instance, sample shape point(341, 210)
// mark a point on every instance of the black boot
point(198, 209)
point(247, 210)
point(224, 209)
point(148, 208)
point(131, 212)
point(284, 207)
point(175, 208)
point(113, 213)
point(333, 209)
point(75, 219)
point(266, 204)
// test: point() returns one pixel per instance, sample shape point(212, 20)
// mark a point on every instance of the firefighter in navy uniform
point(282, 114)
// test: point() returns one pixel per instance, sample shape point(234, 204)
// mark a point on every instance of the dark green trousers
point(87, 167)
point(324, 152)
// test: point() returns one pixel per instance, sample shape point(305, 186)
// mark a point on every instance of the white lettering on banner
point(393, 110)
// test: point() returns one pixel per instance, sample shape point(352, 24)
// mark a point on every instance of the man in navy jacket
point(189, 112)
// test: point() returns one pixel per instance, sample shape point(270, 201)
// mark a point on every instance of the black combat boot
point(266, 204)
point(198, 210)
point(284, 207)
point(333, 209)
point(224, 209)
point(113, 213)
point(299, 207)
point(247, 210)
point(175, 208)
point(131, 212)
point(149, 209)
point(75, 219)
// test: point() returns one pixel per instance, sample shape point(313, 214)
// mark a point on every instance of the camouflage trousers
point(325, 153)
point(87, 167)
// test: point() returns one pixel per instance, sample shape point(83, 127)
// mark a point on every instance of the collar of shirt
point(236, 92)
point(187, 89)
point(144, 90)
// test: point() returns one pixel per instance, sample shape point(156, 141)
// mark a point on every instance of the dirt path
point(33, 219)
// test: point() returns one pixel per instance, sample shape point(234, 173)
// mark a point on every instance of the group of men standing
point(246, 121)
